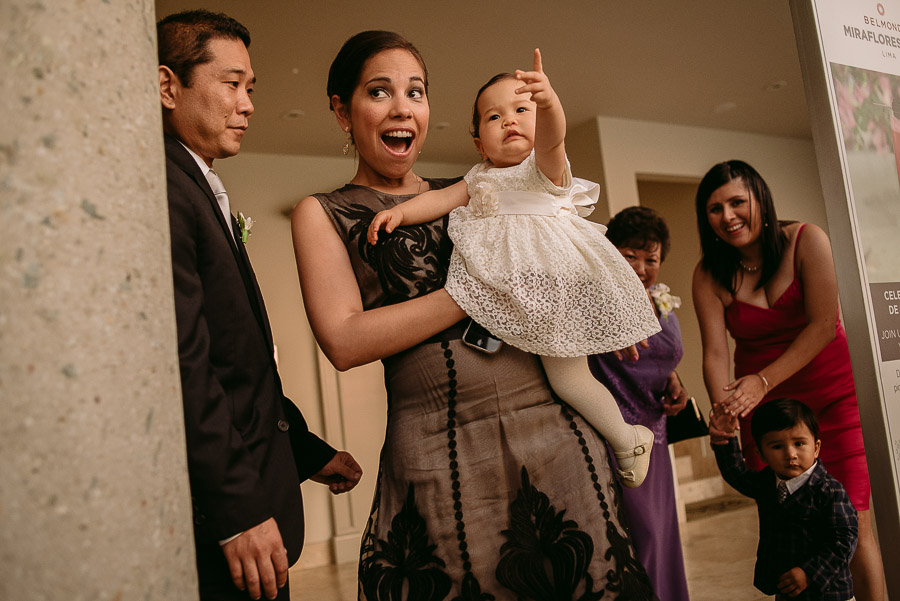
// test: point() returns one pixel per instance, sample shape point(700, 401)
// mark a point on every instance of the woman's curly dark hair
point(639, 227)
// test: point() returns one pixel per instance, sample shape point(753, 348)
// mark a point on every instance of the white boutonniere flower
point(665, 301)
point(245, 223)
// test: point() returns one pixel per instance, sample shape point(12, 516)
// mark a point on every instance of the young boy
point(807, 525)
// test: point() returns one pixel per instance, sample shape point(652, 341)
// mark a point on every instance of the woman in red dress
point(772, 286)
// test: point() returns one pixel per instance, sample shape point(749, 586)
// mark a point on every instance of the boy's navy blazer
point(248, 446)
point(814, 529)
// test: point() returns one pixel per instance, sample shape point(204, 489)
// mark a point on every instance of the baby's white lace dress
point(536, 274)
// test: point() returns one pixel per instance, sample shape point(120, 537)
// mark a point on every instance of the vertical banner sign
point(861, 41)
point(850, 53)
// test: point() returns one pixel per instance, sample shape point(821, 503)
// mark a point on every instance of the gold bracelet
point(765, 382)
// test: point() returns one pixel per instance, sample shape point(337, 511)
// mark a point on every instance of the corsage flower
point(485, 202)
point(665, 301)
point(245, 223)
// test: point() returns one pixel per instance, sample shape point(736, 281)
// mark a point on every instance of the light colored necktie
point(218, 189)
point(782, 491)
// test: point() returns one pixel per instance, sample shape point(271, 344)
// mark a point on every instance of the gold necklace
point(747, 268)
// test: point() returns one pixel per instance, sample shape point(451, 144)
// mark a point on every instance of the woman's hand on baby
point(631, 352)
point(386, 220)
point(537, 84)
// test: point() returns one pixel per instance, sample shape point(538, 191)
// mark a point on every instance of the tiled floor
point(719, 550)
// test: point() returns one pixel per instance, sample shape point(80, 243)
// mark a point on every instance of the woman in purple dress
point(647, 391)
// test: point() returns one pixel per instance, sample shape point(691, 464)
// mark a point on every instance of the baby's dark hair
point(782, 414)
point(476, 118)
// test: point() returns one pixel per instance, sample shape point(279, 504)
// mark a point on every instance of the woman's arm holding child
point(710, 310)
point(348, 334)
point(425, 207)
point(550, 121)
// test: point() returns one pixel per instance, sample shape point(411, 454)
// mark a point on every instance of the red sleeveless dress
point(825, 384)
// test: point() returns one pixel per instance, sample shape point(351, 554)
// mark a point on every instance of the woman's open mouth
point(398, 141)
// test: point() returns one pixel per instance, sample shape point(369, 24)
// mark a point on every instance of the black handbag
point(687, 423)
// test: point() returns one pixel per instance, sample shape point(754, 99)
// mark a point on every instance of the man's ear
point(342, 111)
point(168, 87)
point(479, 148)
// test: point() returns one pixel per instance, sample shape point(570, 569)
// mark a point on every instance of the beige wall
point(583, 149)
point(636, 150)
point(674, 201)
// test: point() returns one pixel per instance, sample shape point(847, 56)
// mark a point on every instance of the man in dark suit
point(248, 446)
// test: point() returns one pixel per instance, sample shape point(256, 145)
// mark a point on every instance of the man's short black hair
point(183, 39)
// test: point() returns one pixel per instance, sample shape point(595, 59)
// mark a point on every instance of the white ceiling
point(674, 61)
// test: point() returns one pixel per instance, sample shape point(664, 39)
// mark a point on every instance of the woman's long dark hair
point(719, 258)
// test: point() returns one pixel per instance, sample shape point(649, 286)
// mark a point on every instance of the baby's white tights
point(571, 379)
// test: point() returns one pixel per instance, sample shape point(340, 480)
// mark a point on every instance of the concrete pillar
point(94, 497)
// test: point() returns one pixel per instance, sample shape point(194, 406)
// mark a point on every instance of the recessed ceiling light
point(776, 85)
point(725, 107)
point(293, 114)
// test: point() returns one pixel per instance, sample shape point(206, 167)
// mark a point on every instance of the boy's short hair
point(782, 414)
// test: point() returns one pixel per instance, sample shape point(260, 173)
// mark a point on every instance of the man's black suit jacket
point(248, 446)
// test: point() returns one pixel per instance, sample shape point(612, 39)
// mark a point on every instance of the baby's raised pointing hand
point(536, 83)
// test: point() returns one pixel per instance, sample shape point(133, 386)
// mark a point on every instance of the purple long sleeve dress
point(650, 509)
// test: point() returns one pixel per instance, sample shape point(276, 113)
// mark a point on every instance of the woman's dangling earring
point(346, 148)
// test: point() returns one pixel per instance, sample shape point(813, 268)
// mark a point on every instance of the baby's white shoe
point(633, 472)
